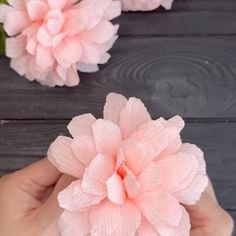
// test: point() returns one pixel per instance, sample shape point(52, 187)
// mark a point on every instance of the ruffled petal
point(113, 11)
point(132, 117)
point(73, 198)
point(89, 68)
point(137, 155)
point(81, 125)
point(113, 107)
point(72, 77)
point(19, 4)
point(36, 9)
point(146, 229)
point(68, 52)
point(15, 46)
point(107, 137)
point(191, 194)
point(132, 186)
point(74, 223)
point(61, 156)
point(12, 19)
point(20, 65)
point(83, 147)
point(57, 4)
point(4, 9)
point(92, 186)
point(158, 207)
point(177, 171)
point(101, 168)
point(150, 178)
point(103, 32)
point(104, 218)
point(115, 189)
point(130, 218)
point(44, 58)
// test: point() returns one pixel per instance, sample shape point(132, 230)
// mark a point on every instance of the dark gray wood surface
point(178, 62)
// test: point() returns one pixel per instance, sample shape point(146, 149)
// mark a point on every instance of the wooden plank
point(193, 77)
point(22, 142)
point(177, 23)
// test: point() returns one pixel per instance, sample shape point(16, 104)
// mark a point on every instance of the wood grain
point(23, 142)
point(193, 77)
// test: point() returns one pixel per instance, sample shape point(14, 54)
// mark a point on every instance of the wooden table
point(178, 62)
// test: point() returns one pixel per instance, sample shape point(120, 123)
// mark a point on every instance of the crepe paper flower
point(51, 39)
point(145, 5)
point(133, 173)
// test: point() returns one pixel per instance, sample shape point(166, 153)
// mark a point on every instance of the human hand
point(28, 200)
point(208, 218)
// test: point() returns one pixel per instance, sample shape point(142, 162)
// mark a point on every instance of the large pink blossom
point(145, 5)
point(133, 173)
point(51, 39)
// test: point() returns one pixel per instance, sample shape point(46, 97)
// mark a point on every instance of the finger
point(51, 209)
point(211, 192)
point(37, 177)
point(204, 212)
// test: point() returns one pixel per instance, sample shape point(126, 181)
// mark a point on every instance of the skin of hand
point(29, 207)
point(208, 218)
point(28, 200)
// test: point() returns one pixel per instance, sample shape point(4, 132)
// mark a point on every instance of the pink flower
point(133, 172)
point(51, 39)
point(145, 5)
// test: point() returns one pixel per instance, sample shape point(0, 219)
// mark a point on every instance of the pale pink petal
point(167, 4)
point(20, 65)
point(15, 46)
point(55, 21)
point(57, 4)
point(72, 77)
point(158, 206)
point(44, 37)
point(74, 223)
point(68, 52)
point(137, 155)
point(176, 122)
point(150, 178)
point(12, 19)
point(73, 198)
point(104, 58)
point(133, 116)
point(129, 220)
point(146, 229)
point(113, 107)
point(83, 147)
point(89, 68)
point(153, 134)
point(183, 229)
point(44, 58)
point(198, 153)
point(4, 9)
point(32, 45)
point(104, 32)
point(132, 186)
point(115, 189)
point(36, 9)
point(107, 137)
point(104, 218)
point(81, 125)
point(19, 4)
point(191, 194)
point(98, 165)
point(90, 55)
point(113, 11)
point(174, 142)
point(92, 186)
point(177, 171)
point(61, 156)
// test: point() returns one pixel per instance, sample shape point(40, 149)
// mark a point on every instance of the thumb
point(51, 209)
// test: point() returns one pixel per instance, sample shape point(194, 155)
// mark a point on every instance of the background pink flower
point(51, 39)
point(145, 5)
point(133, 172)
